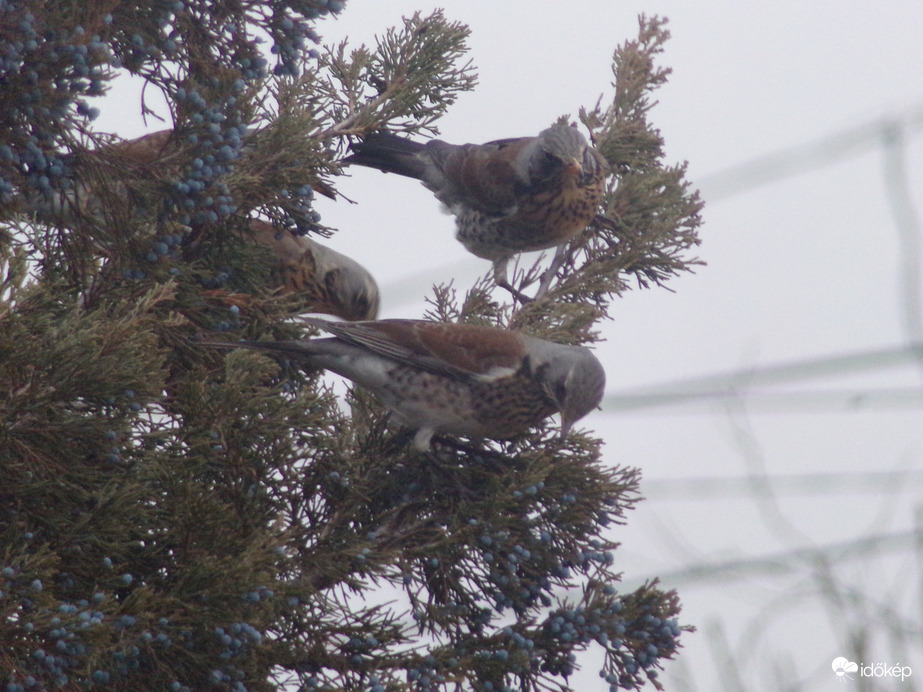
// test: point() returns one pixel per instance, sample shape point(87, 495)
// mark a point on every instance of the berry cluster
point(516, 577)
point(424, 676)
point(218, 137)
point(634, 632)
point(300, 217)
point(237, 639)
point(67, 637)
point(47, 71)
point(291, 33)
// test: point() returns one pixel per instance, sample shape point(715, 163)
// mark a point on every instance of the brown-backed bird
point(330, 282)
point(459, 379)
point(508, 196)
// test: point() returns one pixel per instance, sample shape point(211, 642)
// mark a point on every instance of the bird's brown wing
point(142, 150)
point(456, 350)
point(481, 176)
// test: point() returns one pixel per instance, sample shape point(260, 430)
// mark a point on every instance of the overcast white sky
point(808, 265)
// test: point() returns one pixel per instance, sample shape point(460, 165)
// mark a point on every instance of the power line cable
point(907, 223)
point(802, 158)
point(819, 401)
point(711, 487)
point(737, 383)
point(789, 560)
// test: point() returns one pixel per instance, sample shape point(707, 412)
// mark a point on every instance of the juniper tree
point(176, 518)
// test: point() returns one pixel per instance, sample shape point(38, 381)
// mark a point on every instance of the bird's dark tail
point(286, 349)
point(389, 153)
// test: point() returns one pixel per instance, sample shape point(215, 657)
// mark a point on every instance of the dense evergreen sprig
point(173, 518)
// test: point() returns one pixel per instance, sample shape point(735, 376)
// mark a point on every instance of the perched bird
point(330, 282)
point(154, 147)
point(460, 379)
point(88, 195)
point(508, 196)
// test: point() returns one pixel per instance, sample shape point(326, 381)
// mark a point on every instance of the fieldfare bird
point(508, 196)
point(460, 379)
point(330, 282)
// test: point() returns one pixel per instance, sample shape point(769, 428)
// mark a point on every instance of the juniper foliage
point(176, 518)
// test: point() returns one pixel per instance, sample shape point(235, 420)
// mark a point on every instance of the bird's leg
point(548, 275)
point(400, 440)
point(502, 280)
point(516, 293)
point(422, 440)
point(474, 453)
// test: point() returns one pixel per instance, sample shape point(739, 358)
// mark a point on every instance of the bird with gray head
point(457, 379)
point(507, 196)
point(329, 282)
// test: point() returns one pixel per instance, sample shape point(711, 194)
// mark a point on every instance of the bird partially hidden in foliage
point(457, 379)
point(507, 196)
point(329, 282)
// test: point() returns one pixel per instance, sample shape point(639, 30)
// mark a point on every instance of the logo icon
point(842, 667)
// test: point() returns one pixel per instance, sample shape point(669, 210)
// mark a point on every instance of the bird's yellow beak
point(574, 167)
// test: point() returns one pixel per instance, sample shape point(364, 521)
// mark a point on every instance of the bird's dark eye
point(546, 165)
point(560, 392)
point(331, 278)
